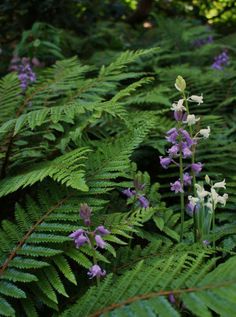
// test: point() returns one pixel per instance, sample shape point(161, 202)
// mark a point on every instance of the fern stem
point(27, 235)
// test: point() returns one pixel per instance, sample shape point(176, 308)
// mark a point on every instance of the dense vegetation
point(91, 222)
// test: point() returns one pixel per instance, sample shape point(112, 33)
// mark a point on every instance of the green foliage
point(144, 289)
point(73, 137)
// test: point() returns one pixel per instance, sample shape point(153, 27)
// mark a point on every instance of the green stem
point(181, 196)
point(213, 227)
point(94, 258)
point(193, 174)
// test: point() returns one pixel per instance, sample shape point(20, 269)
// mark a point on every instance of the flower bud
point(180, 84)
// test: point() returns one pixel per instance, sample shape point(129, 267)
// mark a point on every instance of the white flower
point(193, 200)
point(220, 184)
point(222, 199)
point(179, 106)
point(205, 132)
point(198, 99)
point(201, 192)
point(191, 119)
point(214, 196)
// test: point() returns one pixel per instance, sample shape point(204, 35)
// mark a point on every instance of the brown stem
point(26, 236)
point(155, 294)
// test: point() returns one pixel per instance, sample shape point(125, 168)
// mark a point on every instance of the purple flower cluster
point(204, 41)
point(181, 143)
point(23, 67)
point(82, 236)
point(136, 193)
point(220, 61)
point(92, 238)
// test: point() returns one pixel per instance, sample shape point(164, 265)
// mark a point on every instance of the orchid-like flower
point(205, 132)
point(179, 106)
point(195, 98)
point(220, 184)
point(176, 187)
point(99, 241)
point(193, 200)
point(201, 192)
point(96, 271)
point(191, 119)
point(222, 199)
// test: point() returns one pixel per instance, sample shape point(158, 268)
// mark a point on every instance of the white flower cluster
point(191, 119)
point(211, 198)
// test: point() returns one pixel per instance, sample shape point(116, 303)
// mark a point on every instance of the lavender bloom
point(190, 208)
point(186, 150)
point(220, 61)
point(202, 42)
point(176, 187)
point(85, 214)
point(128, 192)
point(76, 233)
point(172, 135)
point(206, 242)
point(173, 151)
point(165, 161)
point(171, 298)
point(96, 271)
point(25, 73)
point(178, 115)
point(187, 179)
point(102, 230)
point(81, 240)
point(187, 137)
point(79, 237)
point(100, 242)
point(143, 201)
point(197, 167)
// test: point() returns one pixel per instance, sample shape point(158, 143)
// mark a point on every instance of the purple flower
point(99, 241)
point(220, 61)
point(143, 201)
point(178, 115)
point(186, 150)
point(173, 151)
point(79, 237)
point(165, 161)
point(85, 214)
point(172, 135)
point(24, 70)
point(81, 240)
point(187, 179)
point(206, 242)
point(176, 187)
point(190, 209)
point(128, 192)
point(96, 270)
point(76, 233)
point(202, 42)
point(102, 230)
point(187, 137)
point(197, 167)
point(171, 298)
